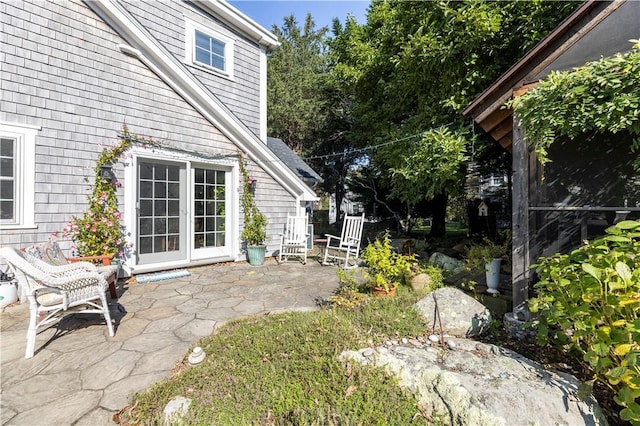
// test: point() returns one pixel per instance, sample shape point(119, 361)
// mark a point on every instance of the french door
point(182, 211)
point(161, 212)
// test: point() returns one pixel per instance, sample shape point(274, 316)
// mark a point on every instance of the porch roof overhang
point(151, 53)
point(488, 109)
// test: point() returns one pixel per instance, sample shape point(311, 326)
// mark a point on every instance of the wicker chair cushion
point(48, 252)
point(49, 299)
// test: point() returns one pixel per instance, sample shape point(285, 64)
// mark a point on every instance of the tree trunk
point(438, 224)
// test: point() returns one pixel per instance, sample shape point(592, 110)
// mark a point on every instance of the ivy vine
point(600, 96)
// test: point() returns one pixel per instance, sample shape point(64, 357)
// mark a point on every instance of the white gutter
point(173, 73)
point(240, 21)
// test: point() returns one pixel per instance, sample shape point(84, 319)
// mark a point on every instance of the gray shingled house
point(189, 74)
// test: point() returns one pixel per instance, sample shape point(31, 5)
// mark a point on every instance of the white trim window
point(208, 49)
point(17, 175)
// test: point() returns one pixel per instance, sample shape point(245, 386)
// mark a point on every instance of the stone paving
point(81, 376)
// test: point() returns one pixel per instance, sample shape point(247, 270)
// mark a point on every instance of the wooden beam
point(505, 128)
point(520, 218)
point(524, 89)
point(495, 119)
point(505, 142)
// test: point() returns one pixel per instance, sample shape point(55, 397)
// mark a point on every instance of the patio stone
point(65, 410)
point(79, 375)
point(116, 396)
point(110, 369)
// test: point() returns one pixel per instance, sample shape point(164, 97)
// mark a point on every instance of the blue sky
point(270, 12)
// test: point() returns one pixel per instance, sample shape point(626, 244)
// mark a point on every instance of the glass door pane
point(209, 212)
point(161, 199)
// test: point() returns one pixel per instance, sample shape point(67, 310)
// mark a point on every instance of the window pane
point(6, 210)
point(211, 240)
point(160, 226)
point(6, 189)
point(220, 239)
point(173, 190)
point(146, 208)
point(220, 178)
point(218, 47)
point(146, 171)
point(146, 226)
point(211, 224)
point(199, 210)
point(199, 175)
point(202, 40)
point(198, 224)
point(174, 207)
point(174, 225)
point(146, 189)
point(160, 208)
point(6, 147)
point(146, 245)
point(203, 57)
point(173, 173)
point(160, 172)
point(6, 167)
point(160, 190)
point(199, 192)
point(217, 62)
point(173, 243)
point(211, 176)
point(159, 244)
point(198, 241)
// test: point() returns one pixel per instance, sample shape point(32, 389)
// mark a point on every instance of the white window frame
point(25, 162)
point(190, 48)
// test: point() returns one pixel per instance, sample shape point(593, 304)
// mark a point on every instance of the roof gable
point(151, 53)
point(594, 30)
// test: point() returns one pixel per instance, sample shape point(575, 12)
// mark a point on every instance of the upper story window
point(17, 176)
point(209, 49)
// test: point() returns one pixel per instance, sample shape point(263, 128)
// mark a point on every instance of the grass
point(284, 369)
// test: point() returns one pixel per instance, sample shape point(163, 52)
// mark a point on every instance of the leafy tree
point(296, 71)
point(414, 66)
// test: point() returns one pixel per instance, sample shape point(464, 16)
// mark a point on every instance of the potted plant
point(386, 267)
point(254, 232)
point(488, 256)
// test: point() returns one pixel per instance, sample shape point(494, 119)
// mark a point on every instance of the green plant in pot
point(488, 256)
point(254, 232)
point(386, 267)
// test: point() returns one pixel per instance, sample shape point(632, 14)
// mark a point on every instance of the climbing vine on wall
point(600, 96)
point(98, 230)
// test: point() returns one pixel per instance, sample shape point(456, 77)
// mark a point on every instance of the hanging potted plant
point(254, 232)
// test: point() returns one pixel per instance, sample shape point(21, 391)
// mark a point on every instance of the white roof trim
point(239, 21)
point(175, 74)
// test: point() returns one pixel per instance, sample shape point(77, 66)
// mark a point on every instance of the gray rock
point(447, 263)
point(461, 315)
point(420, 282)
point(480, 384)
point(175, 410)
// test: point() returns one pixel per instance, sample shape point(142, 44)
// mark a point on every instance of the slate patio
point(81, 376)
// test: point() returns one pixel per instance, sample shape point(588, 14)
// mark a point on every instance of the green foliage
point(481, 254)
point(284, 369)
point(601, 96)
point(98, 230)
point(410, 69)
point(296, 73)
point(589, 304)
point(430, 165)
point(255, 223)
point(386, 267)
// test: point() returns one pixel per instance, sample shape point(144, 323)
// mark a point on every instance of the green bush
point(588, 303)
point(386, 267)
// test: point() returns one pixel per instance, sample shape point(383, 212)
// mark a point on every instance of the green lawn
point(284, 369)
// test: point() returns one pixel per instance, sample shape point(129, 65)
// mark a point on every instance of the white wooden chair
point(345, 249)
point(52, 289)
point(293, 242)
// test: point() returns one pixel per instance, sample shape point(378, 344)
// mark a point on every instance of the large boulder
point(448, 263)
point(479, 384)
point(460, 314)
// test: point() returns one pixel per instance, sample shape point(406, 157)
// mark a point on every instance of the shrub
point(387, 267)
point(588, 303)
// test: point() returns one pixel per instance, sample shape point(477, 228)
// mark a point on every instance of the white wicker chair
point(346, 248)
point(293, 242)
point(51, 289)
